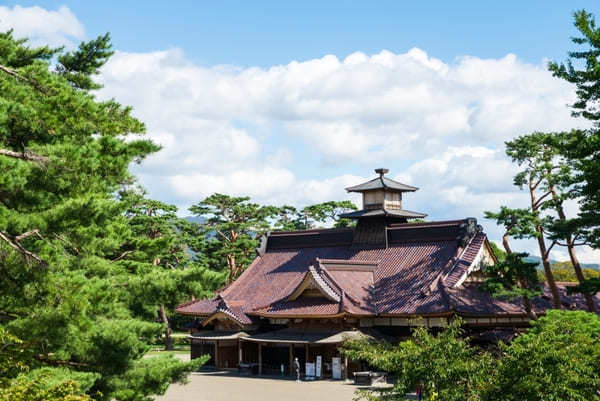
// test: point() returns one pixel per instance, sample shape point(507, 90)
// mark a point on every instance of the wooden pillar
point(260, 358)
point(217, 354)
point(240, 359)
point(291, 367)
point(306, 354)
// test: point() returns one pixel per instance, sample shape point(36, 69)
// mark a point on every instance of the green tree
point(540, 153)
point(156, 252)
point(63, 290)
point(445, 365)
point(327, 211)
point(230, 230)
point(512, 276)
point(289, 218)
point(558, 358)
point(582, 147)
point(536, 163)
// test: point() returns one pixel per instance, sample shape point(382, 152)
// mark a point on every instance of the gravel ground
point(219, 386)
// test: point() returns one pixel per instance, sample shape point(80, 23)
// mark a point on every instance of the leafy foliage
point(231, 230)
point(563, 271)
point(557, 359)
point(71, 251)
point(512, 277)
point(444, 365)
point(231, 227)
point(499, 253)
point(582, 147)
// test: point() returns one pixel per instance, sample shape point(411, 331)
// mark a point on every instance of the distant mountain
point(538, 260)
point(195, 219)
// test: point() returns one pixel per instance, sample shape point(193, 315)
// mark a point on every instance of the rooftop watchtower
point(382, 206)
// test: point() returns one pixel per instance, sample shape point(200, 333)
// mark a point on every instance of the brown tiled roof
point(301, 306)
point(199, 307)
point(468, 300)
point(417, 274)
point(465, 260)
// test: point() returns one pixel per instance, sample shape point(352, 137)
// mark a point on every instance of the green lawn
point(181, 345)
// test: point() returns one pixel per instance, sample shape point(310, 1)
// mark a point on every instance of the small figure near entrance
point(297, 368)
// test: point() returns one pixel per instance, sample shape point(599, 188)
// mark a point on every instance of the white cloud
point(285, 134)
point(41, 26)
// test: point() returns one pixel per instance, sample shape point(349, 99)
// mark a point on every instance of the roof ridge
point(440, 223)
point(311, 231)
point(442, 275)
point(334, 281)
point(458, 258)
point(317, 277)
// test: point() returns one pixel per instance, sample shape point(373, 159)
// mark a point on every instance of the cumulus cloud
point(55, 28)
point(299, 133)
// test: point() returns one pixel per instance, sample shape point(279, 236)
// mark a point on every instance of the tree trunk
point(165, 320)
point(505, 243)
point(547, 269)
point(543, 251)
point(232, 268)
point(571, 248)
point(579, 273)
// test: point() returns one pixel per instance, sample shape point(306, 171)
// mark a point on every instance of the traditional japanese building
point(308, 291)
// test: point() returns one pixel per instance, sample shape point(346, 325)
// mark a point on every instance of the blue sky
point(263, 33)
point(290, 102)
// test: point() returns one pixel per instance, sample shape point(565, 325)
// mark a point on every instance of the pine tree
point(63, 283)
point(512, 276)
point(582, 147)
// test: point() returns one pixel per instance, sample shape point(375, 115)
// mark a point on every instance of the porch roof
point(299, 336)
point(218, 335)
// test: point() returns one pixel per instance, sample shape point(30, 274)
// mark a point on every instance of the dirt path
point(227, 387)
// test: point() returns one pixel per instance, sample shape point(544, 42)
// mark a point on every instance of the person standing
point(297, 367)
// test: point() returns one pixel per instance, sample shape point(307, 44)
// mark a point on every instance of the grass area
point(180, 345)
point(178, 349)
point(161, 352)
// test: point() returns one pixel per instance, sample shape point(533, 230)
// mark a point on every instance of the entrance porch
point(273, 353)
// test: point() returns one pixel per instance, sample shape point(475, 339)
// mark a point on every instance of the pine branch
point(19, 248)
point(13, 73)
point(121, 256)
point(35, 232)
point(550, 248)
point(538, 203)
point(27, 156)
point(54, 362)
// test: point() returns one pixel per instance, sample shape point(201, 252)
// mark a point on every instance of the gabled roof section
point(474, 256)
point(234, 313)
point(382, 182)
point(316, 279)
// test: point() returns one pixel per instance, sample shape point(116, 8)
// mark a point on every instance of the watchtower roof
point(382, 182)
